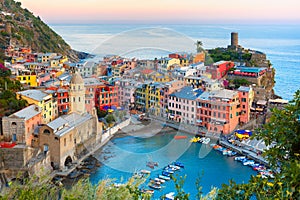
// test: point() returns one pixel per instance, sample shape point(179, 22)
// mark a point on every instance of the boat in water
point(164, 177)
point(170, 196)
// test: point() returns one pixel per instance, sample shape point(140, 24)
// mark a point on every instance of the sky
point(165, 11)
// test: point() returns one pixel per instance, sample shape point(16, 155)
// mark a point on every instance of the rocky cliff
point(20, 27)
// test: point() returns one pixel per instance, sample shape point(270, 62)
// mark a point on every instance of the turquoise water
point(125, 155)
point(280, 42)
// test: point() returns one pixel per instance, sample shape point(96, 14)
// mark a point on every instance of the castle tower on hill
point(77, 94)
point(234, 40)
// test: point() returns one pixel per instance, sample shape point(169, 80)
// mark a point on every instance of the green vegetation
point(284, 129)
point(219, 54)
point(8, 101)
point(31, 31)
point(239, 82)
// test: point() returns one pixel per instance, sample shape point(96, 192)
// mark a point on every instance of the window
point(73, 99)
point(243, 99)
point(65, 141)
point(230, 115)
point(46, 131)
point(244, 106)
point(78, 99)
point(237, 113)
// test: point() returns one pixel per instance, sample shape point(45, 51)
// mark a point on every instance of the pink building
point(91, 84)
point(21, 126)
point(168, 89)
point(182, 105)
point(219, 111)
point(126, 92)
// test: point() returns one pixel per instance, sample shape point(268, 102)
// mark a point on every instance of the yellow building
point(29, 79)
point(41, 99)
point(166, 63)
point(162, 78)
point(63, 59)
point(148, 97)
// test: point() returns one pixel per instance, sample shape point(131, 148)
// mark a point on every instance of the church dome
point(76, 79)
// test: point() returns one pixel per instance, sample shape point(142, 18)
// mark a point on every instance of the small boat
point(169, 171)
point(174, 167)
point(248, 162)
point(212, 144)
point(232, 153)
point(165, 173)
point(154, 186)
point(239, 158)
point(143, 171)
point(167, 168)
point(205, 140)
point(225, 152)
point(195, 139)
point(179, 164)
point(160, 180)
point(164, 177)
point(151, 164)
point(147, 191)
point(155, 182)
point(170, 196)
point(178, 137)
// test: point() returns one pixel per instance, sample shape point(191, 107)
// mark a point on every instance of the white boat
point(248, 162)
point(239, 158)
point(164, 177)
point(144, 171)
point(175, 167)
point(170, 196)
point(160, 180)
point(205, 140)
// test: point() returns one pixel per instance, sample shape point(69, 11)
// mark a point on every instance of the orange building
point(199, 57)
point(219, 111)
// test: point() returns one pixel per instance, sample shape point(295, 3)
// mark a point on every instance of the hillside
point(20, 27)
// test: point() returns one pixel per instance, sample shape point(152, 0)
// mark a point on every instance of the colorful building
point(21, 126)
point(63, 102)
point(28, 78)
point(91, 85)
point(246, 96)
point(41, 99)
point(218, 111)
point(182, 105)
point(167, 89)
point(106, 96)
point(219, 69)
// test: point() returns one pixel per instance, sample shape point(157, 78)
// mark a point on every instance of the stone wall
point(15, 158)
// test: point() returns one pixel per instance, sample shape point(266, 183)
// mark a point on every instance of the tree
point(284, 158)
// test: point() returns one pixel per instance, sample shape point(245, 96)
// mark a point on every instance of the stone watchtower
point(77, 94)
point(234, 40)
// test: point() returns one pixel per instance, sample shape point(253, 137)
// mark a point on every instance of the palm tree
point(199, 46)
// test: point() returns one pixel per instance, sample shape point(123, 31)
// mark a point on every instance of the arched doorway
point(68, 161)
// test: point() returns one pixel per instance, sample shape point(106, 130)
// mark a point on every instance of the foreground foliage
point(284, 129)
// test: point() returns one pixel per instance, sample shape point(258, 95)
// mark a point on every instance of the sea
point(280, 42)
point(123, 156)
